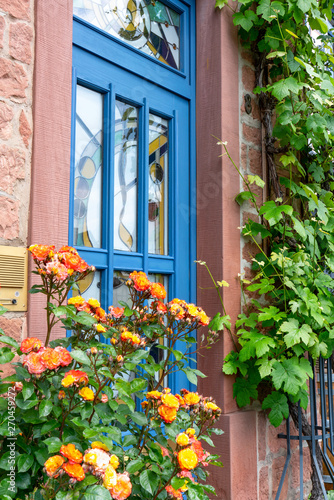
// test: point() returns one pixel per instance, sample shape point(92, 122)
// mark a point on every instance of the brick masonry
point(16, 79)
point(271, 451)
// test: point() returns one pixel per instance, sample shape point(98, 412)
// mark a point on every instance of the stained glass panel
point(88, 169)
point(90, 286)
point(125, 178)
point(147, 25)
point(158, 186)
point(120, 290)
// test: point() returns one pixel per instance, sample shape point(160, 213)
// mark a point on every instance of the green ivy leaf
point(244, 196)
point(295, 334)
point(273, 213)
point(278, 403)
point(243, 391)
point(218, 322)
point(289, 374)
point(245, 19)
point(220, 3)
point(282, 88)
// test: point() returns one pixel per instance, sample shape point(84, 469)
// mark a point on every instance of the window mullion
point(109, 137)
point(144, 181)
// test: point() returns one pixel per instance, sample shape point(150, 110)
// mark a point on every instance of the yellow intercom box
point(13, 278)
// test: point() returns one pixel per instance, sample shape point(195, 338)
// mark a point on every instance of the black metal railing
point(321, 429)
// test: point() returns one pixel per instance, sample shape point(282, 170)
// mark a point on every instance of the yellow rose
point(182, 439)
point(187, 459)
point(86, 393)
point(110, 477)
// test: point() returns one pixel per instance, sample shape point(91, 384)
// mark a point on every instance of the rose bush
point(93, 416)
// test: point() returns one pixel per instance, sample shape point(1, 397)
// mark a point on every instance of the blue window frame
point(149, 94)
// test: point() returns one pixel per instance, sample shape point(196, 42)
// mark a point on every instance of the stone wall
point(271, 452)
point(16, 80)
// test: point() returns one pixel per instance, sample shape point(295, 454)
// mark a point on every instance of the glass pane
point(125, 178)
point(87, 223)
point(158, 186)
point(90, 286)
point(147, 25)
point(120, 290)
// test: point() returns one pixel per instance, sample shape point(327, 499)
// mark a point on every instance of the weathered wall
point(271, 451)
point(16, 78)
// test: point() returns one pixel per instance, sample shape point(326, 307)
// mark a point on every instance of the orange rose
point(74, 262)
point(122, 488)
point(74, 470)
point(140, 281)
point(76, 377)
point(61, 395)
point(116, 312)
point(41, 252)
point(69, 451)
point(157, 291)
point(196, 446)
point(51, 358)
point(100, 313)
point(170, 401)
point(192, 310)
point(34, 363)
point(66, 249)
point(176, 310)
point(191, 398)
point(55, 268)
point(187, 459)
point(87, 394)
point(154, 395)
point(204, 320)
point(53, 464)
point(167, 414)
point(31, 344)
point(174, 493)
point(161, 307)
point(65, 357)
point(180, 399)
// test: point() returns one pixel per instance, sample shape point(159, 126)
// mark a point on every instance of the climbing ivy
point(292, 313)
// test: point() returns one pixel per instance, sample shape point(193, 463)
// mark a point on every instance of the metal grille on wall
point(321, 420)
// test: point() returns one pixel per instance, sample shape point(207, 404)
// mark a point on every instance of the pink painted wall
point(50, 173)
point(16, 71)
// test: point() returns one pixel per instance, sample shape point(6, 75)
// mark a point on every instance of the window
point(132, 203)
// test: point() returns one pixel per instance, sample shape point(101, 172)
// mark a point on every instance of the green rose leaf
point(149, 481)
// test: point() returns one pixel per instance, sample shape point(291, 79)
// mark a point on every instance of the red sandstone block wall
point(16, 79)
point(271, 451)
